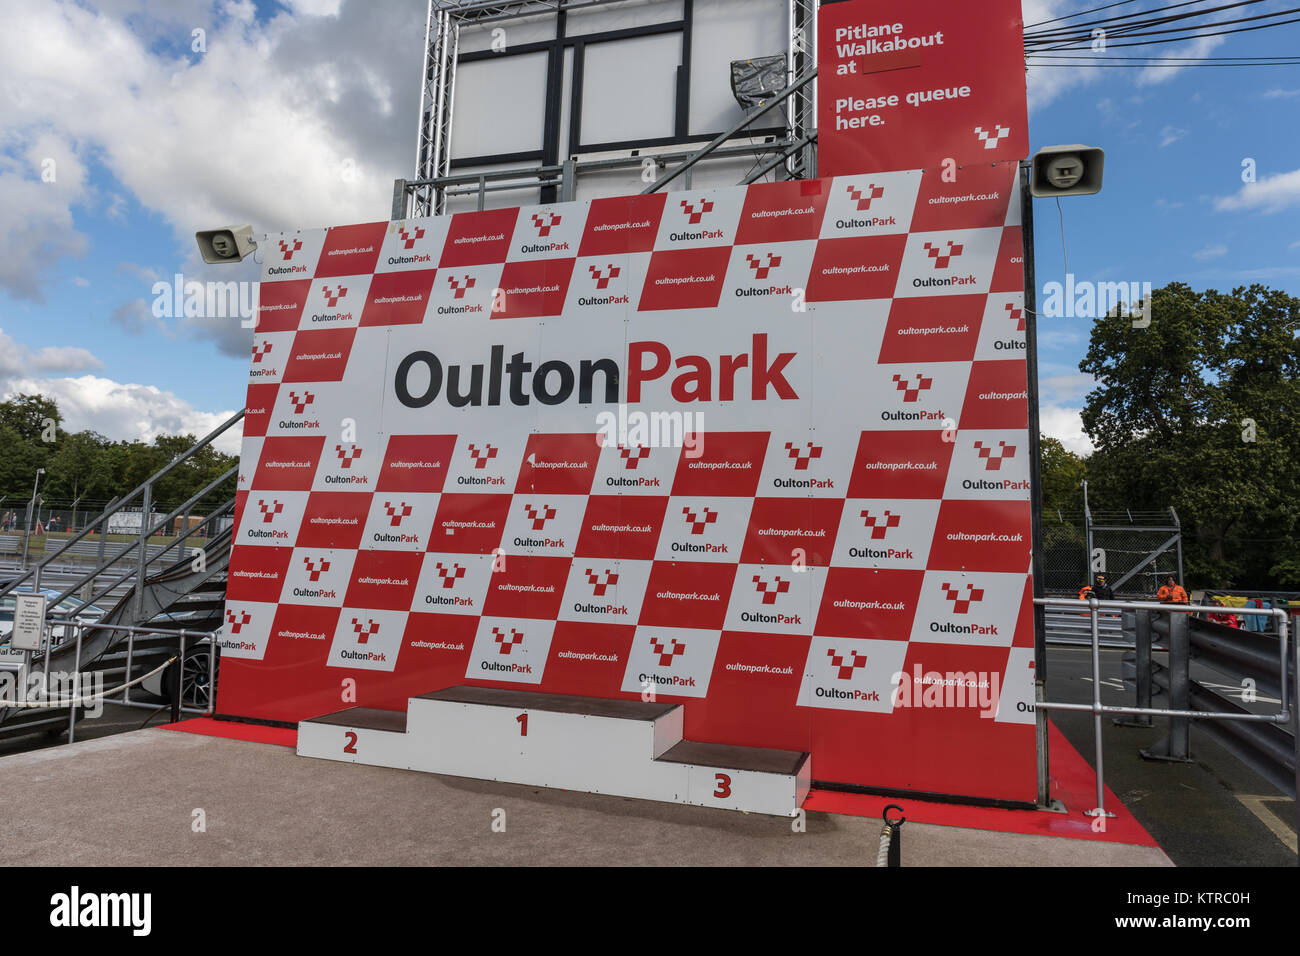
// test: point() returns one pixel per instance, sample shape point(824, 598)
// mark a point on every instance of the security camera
point(228, 244)
point(1067, 171)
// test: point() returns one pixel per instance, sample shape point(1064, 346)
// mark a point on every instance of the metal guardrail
point(1176, 626)
point(1074, 626)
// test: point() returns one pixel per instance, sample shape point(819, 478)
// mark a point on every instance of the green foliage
point(1063, 473)
point(87, 466)
point(1201, 412)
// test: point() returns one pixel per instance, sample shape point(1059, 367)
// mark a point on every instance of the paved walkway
point(133, 799)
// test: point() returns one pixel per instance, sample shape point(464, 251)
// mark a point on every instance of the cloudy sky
point(118, 140)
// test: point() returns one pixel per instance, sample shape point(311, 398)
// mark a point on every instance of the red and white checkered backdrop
point(426, 498)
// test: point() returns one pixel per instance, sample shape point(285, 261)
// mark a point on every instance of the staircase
point(180, 586)
point(625, 748)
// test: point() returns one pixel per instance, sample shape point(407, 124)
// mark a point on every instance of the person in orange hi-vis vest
point(1172, 593)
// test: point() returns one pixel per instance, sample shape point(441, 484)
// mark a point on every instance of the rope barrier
point(890, 852)
point(74, 701)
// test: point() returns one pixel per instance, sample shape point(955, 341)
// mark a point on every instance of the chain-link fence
point(1065, 552)
point(1137, 551)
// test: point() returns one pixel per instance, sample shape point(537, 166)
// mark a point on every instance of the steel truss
point(428, 189)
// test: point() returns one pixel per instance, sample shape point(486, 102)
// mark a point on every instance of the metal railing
point(563, 175)
point(1098, 709)
point(140, 546)
point(122, 691)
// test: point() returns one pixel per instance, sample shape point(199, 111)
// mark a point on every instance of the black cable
point(1183, 29)
point(1104, 56)
point(1071, 16)
point(1155, 21)
point(1194, 36)
point(1150, 66)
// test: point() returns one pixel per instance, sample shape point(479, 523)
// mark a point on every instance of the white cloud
point(1065, 425)
point(1210, 252)
point(18, 359)
point(36, 225)
point(136, 317)
point(261, 128)
point(1170, 135)
point(125, 411)
point(1277, 94)
point(1055, 389)
point(1270, 194)
point(117, 410)
point(1201, 46)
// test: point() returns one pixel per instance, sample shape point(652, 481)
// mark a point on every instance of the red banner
point(917, 84)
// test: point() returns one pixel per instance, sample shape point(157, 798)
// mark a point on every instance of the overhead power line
point(1184, 29)
point(1081, 13)
point(1126, 23)
point(1193, 36)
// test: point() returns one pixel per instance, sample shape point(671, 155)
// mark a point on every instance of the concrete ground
point(133, 799)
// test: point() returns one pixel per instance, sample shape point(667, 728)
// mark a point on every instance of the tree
point(31, 416)
point(77, 467)
point(1200, 411)
point(1063, 473)
point(87, 466)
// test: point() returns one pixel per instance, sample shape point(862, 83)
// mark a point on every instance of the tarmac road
point(1214, 811)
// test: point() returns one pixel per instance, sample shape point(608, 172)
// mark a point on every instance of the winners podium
point(617, 747)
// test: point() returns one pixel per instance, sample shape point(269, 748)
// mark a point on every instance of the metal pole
point(31, 506)
point(1180, 728)
point(1087, 534)
point(1142, 677)
point(568, 180)
point(1179, 525)
point(1035, 483)
point(212, 673)
point(99, 560)
point(142, 556)
point(180, 674)
point(76, 687)
point(1100, 811)
point(130, 652)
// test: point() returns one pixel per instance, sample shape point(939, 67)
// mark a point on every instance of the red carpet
point(233, 730)
point(1073, 783)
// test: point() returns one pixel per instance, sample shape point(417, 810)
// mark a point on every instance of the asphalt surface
point(161, 796)
point(115, 719)
point(1214, 811)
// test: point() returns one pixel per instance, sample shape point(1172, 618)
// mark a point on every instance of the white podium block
point(617, 747)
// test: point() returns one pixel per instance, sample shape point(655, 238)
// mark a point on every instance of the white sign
point(29, 622)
